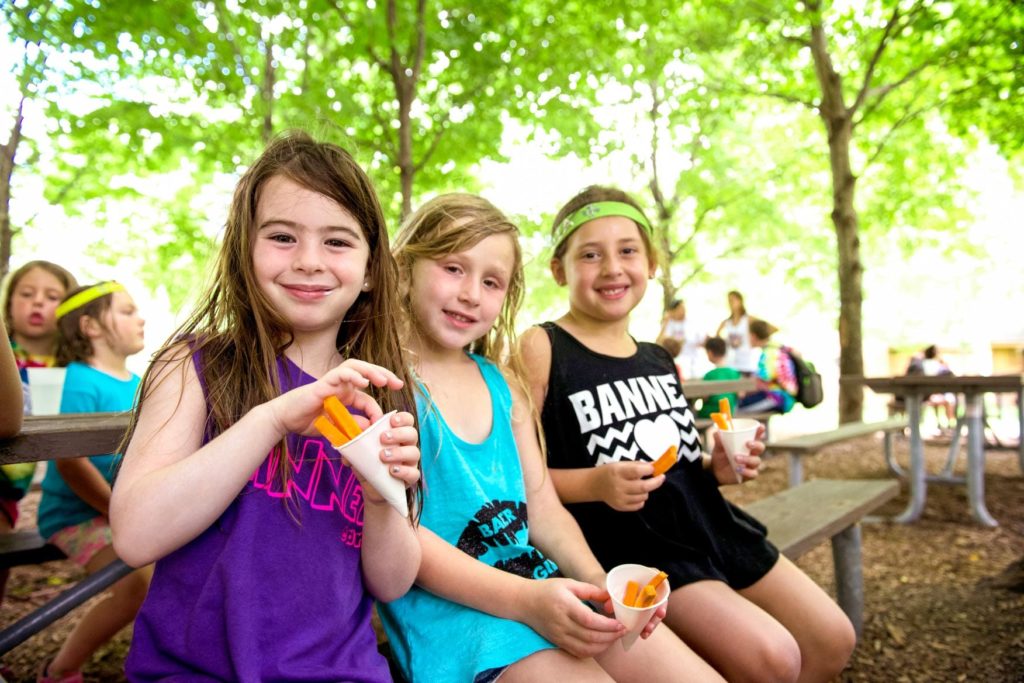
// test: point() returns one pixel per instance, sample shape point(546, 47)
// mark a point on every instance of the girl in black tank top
point(610, 406)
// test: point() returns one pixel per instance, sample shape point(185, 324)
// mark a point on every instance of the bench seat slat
point(800, 518)
point(809, 443)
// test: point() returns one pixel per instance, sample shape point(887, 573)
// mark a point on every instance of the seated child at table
point(776, 375)
point(29, 300)
point(717, 351)
point(610, 406)
point(100, 327)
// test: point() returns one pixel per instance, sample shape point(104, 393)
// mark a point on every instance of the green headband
point(598, 210)
point(87, 296)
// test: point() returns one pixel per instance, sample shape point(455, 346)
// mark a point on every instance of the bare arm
point(171, 487)
point(86, 482)
point(620, 485)
point(11, 396)
point(391, 550)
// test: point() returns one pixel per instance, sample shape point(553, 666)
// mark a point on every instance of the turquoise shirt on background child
point(86, 390)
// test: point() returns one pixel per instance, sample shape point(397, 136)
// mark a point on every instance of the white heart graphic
point(654, 437)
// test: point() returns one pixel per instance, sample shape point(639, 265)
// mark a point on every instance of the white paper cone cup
point(633, 618)
point(363, 454)
point(735, 440)
point(45, 387)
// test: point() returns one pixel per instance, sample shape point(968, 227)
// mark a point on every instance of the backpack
point(809, 391)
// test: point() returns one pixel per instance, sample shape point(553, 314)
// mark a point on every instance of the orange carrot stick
point(665, 462)
point(720, 421)
point(341, 417)
point(726, 410)
point(656, 581)
point(332, 433)
point(647, 597)
point(632, 589)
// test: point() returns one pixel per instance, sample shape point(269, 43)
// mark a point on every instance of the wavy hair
point(238, 332)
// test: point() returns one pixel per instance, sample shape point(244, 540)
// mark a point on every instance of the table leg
point(916, 471)
point(974, 414)
point(1020, 431)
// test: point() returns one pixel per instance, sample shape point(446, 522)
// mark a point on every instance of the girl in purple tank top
point(269, 549)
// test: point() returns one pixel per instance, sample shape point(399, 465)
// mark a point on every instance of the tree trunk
point(838, 120)
point(267, 92)
point(7, 157)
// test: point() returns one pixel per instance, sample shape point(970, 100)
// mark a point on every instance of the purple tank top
point(267, 593)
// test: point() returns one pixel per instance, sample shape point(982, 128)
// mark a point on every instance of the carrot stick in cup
point(647, 597)
point(656, 581)
point(720, 421)
point(632, 590)
point(726, 410)
point(341, 417)
point(665, 462)
point(330, 432)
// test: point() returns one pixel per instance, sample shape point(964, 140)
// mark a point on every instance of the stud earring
point(366, 285)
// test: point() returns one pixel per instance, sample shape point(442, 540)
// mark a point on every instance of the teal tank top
point(475, 499)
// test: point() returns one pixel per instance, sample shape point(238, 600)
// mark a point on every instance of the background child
point(489, 589)
point(675, 325)
point(673, 346)
point(716, 350)
point(610, 406)
point(100, 327)
point(776, 377)
point(29, 301)
point(268, 546)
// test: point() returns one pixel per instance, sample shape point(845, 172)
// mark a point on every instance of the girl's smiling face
point(309, 256)
point(606, 267)
point(457, 297)
point(33, 303)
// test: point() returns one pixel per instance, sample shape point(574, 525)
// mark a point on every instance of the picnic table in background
point(915, 389)
point(55, 437)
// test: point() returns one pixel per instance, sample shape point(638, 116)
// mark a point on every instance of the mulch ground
point(944, 596)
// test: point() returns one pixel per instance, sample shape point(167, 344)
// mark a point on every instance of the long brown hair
point(236, 329)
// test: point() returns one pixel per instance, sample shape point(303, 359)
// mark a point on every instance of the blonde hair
point(238, 332)
point(449, 224)
point(452, 223)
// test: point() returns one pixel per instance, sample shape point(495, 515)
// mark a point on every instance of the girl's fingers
point(400, 436)
point(407, 475)
point(376, 374)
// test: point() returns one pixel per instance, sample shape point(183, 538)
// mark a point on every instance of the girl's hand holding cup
point(746, 464)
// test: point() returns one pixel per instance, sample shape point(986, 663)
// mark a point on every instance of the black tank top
point(601, 409)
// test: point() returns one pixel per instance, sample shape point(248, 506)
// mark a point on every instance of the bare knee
point(776, 659)
point(831, 650)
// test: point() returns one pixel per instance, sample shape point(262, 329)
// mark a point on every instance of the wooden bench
point(55, 438)
point(798, 447)
point(800, 518)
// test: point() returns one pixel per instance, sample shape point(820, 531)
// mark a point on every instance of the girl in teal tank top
point(492, 598)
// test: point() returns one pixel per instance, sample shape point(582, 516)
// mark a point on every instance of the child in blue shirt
point(100, 327)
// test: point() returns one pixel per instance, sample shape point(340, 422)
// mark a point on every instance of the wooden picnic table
point(55, 437)
point(702, 388)
point(915, 389)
